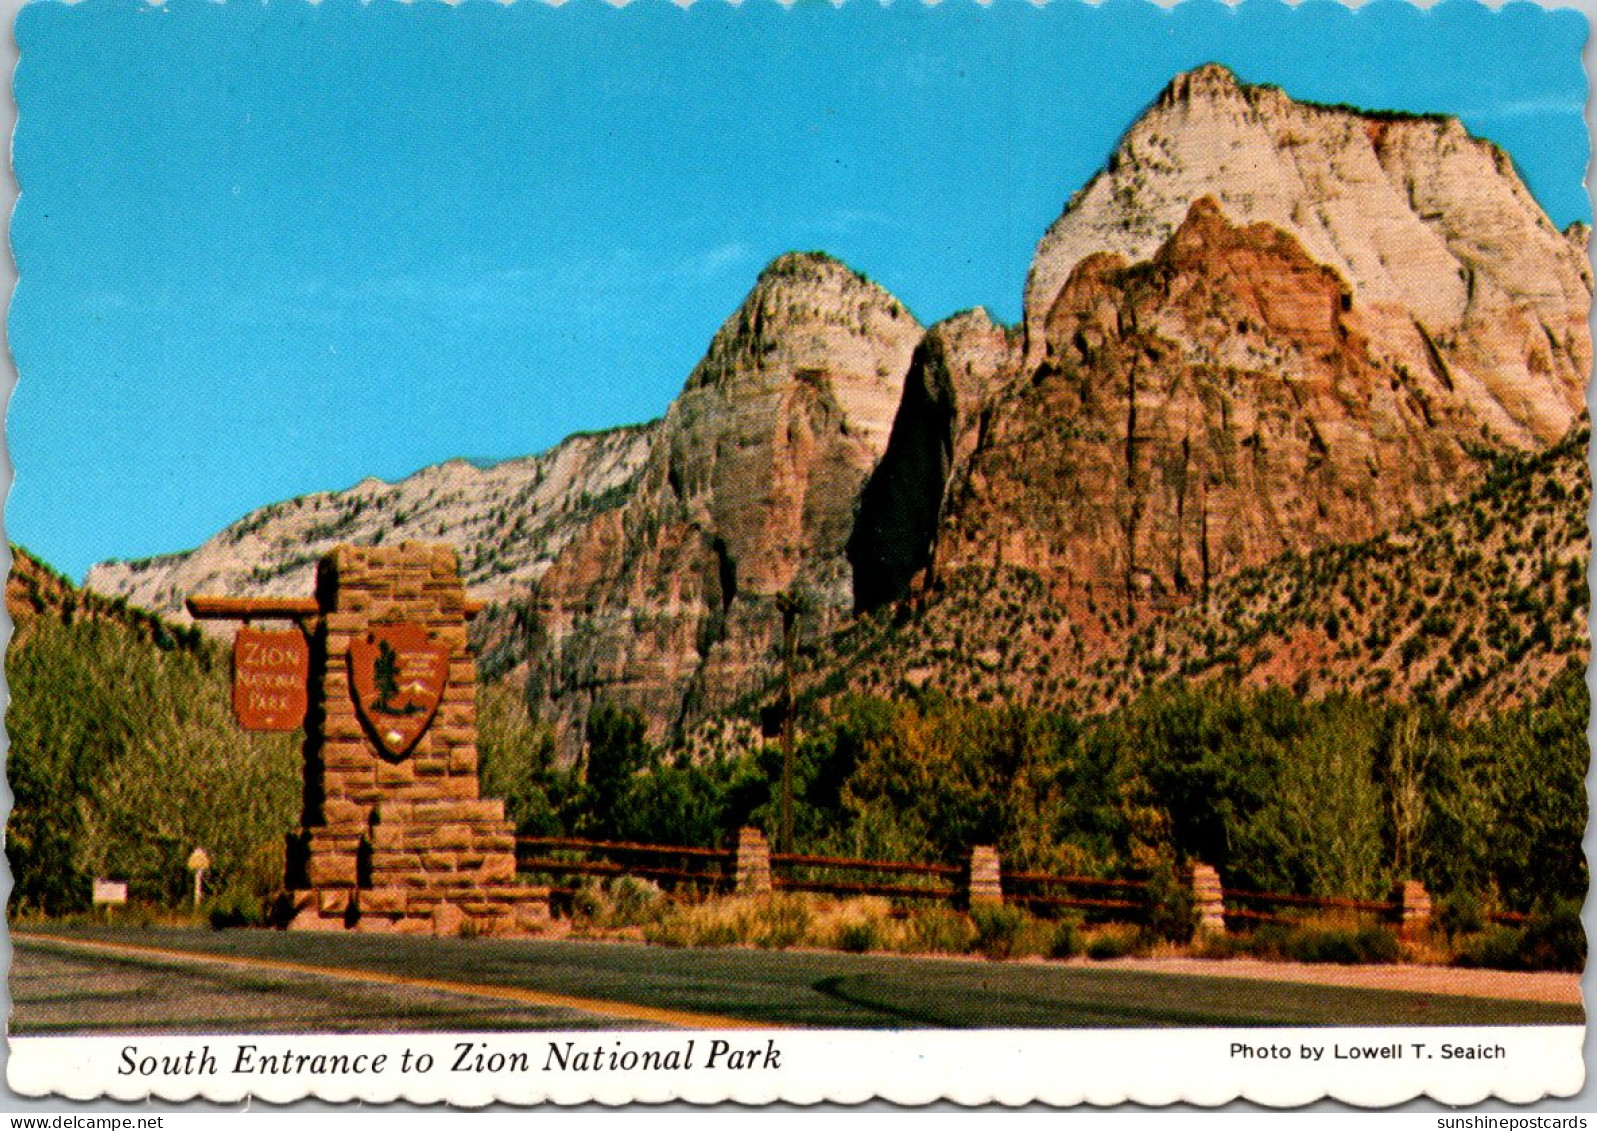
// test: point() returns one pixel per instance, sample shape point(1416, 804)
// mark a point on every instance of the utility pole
point(789, 605)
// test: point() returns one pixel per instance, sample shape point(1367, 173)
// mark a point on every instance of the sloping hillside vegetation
point(124, 756)
point(1478, 604)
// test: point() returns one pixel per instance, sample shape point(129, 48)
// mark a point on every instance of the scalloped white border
point(1099, 1067)
point(62, 1074)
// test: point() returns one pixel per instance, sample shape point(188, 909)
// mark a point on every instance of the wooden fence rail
point(835, 875)
point(752, 867)
point(675, 866)
point(1123, 899)
point(790, 859)
point(575, 844)
point(846, 887)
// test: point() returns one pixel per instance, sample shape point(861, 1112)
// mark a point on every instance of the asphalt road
point(281, 982)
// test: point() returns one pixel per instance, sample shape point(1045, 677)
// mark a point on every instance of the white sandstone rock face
point(670, 605)
point(508, 522)
point(1432, 230)
point(778, 426)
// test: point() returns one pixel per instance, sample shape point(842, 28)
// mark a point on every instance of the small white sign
point(110, 891)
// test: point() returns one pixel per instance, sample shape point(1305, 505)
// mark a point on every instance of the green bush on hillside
point(124, 758)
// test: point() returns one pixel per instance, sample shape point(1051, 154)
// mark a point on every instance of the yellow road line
point(676, 1018)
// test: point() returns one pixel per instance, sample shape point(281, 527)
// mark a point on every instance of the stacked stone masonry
point(406, 843)
point(1208, 898)
point(752, 862)
point(984, 881)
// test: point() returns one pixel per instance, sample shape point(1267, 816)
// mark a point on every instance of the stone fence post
point(984, 883)
point(752, 862)
point(1413, 911)
point(1208, 899)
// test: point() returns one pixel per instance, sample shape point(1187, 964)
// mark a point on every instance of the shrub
point(634, 901)
point(715, 933)
point(236, 907)
point(938, 930)
point(1553, 939)
point(998, 928)
point(1037, 938)
point(671, 930)
point(1212, 944)
point(1172, 911)
point(1495, 948)
point(776, 921)
point(1067, 941)
point(1116, 941)
point(780, 922)
point(858, 937)
point(1326, 943)
point(588, 902)
point(1461, 913)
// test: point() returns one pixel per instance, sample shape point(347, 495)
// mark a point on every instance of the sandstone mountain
point(1251, 385)
point(670, 603)
point(1453, 263)
point(955, 373)
point(508, 521)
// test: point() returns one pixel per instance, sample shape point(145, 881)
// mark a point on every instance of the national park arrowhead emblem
point(398, 672)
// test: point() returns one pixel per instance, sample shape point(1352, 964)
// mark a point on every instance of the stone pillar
point(752, 862)
point(1413, 911)
point(984, 883)
point(396, 836)
point(1208, 899)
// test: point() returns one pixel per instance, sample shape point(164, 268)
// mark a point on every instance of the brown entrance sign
point(398, 672)
point(271, 671)
point(395, 834)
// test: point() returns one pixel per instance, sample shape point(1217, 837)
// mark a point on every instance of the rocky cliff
point(1266, 328)
point(1476, 605)
point(669, 604)
point(507, 521)
point(1194, 414)
point(956, 372)
point(1451, 260)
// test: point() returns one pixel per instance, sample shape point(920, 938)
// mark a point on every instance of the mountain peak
point(1211, 80)
point(797, 314)
point(800, 263)
point(1427, 226)
point(811, 269)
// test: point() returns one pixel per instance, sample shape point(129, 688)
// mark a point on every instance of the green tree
point(516, 762)
point(617, 751)
point(113, 740)
point(1319, 829)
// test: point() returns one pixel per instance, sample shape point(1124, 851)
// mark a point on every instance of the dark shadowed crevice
point(899, 508)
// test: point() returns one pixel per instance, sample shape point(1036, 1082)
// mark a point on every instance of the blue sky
point(267, 249)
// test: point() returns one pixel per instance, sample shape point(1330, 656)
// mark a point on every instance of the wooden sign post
point(395, 835)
